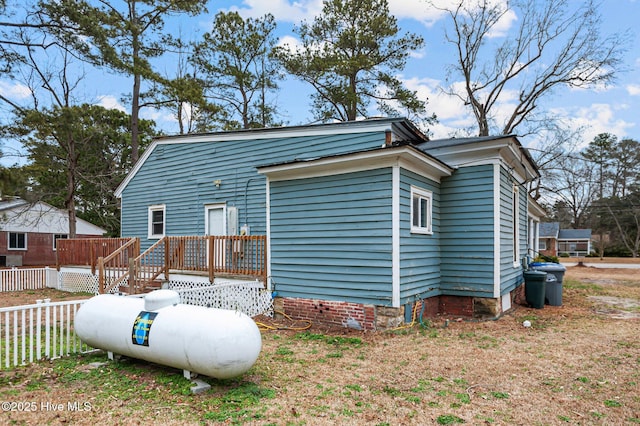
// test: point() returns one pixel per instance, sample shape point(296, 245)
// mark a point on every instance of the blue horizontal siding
point(510, 275)
point(466, 237)
point(181, 174)
point(419, 254)
point(331, 237)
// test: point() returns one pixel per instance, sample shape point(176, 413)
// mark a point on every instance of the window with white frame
point(421, 211)
point(17, 241)
point(542, 244)
point(156, 221)
point(57, 237)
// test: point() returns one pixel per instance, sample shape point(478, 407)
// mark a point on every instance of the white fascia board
point(269, 284)
point(496, 230)
point(535, 210)
point(395, 237)
point(359, 161)
point(485, 152)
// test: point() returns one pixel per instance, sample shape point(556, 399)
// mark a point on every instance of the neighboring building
point(562, 242)
point(365, 220)
point(574, 242)
point(548, 239)
point(29, 231)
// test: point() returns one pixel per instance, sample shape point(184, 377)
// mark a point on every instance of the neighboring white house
point(29, 231)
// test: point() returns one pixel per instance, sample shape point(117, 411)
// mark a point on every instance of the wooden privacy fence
point(19, 279)
point(86, 251)
point(44, 330)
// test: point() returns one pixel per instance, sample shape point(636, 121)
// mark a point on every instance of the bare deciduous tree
point(554, 45)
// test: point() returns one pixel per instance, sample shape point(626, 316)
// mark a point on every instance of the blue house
point(367, 223)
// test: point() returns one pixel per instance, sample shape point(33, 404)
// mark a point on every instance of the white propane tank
point(213, 342)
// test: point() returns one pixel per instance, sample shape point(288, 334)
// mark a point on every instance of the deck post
point(264, 262)
point(212, 255)
point(92, 253)
point(101, 274)
point(167, 257)
point(132, 276)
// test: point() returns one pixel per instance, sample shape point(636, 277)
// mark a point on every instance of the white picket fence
point(20, 279)
point(41, 331)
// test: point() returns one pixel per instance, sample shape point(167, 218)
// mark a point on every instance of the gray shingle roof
point(574, 234)
point(549, 229)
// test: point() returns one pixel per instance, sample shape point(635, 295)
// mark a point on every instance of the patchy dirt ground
point(577, 364)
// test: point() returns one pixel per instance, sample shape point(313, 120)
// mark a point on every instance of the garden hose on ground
point(264, 327)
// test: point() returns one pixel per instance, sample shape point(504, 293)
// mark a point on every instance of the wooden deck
point(118, 261)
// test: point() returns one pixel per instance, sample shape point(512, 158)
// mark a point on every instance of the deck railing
point(231, 255)
point(43, 330)
point(86, 251)
point(114, 270)
point(118, 263)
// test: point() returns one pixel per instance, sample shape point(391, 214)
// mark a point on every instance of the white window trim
point(422, 193)
point(159, 207)
point(55, 248)
point(516, 225)
point(17, 248)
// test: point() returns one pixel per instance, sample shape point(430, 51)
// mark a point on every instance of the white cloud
point(297, 11)
point(282, 10)
point(454, 117)
point(595, 119)
point(158, 116)
point(633, 89)
point(504, 24)
point(419, 10)
point(15, 91)
point(110, 102)
point(293, 43)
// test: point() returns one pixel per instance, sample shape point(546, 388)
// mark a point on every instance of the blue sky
point(614, 109)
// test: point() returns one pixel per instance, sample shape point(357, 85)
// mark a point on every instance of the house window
point(17, 241)
point(156, 221)
point(516, 225)
point(543, 245)
point(421, 208)
point(57, 237)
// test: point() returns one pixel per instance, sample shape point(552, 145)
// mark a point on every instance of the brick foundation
point(371, 318)
point(341, 314)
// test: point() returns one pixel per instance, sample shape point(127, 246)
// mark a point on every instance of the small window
point(156, 221)
point(421, 207)
point(17, 241)
point(543, 245)
point(57, 237)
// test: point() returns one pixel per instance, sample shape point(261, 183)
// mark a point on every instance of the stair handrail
point(143, 275)
point(119, 272)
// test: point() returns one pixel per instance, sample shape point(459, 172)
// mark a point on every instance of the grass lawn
point(577, 364)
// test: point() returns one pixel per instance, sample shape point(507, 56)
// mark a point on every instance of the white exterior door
point(216, 220)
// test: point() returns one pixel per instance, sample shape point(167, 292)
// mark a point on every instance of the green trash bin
point(534, 288)
point(555, 274)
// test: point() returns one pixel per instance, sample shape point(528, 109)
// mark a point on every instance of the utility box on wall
point(11, 260)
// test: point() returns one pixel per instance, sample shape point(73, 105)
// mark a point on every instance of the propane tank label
point(142, 328)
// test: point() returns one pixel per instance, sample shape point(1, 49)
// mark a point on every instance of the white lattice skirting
point(248, 297)
point(77, 282)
